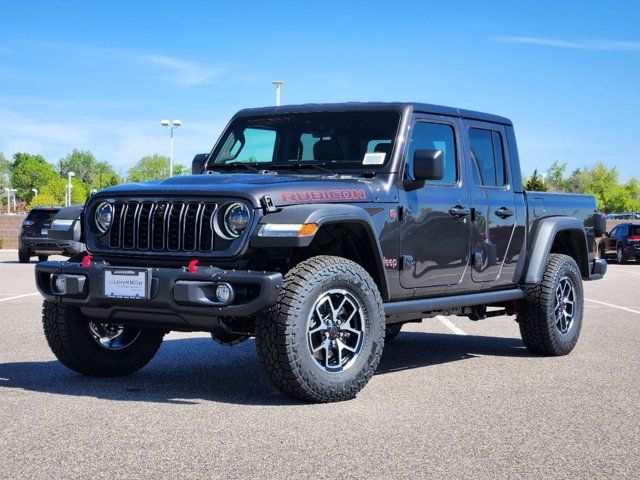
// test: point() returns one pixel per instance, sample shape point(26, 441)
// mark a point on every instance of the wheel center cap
point(333, 331)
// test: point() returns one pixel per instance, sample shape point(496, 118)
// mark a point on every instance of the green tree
point(5, 171)
point(556, 181)
point(153, 167)
point(54, 192)
point(105, 176)
point(80, 162)
point(535, 183)
point(30, 171)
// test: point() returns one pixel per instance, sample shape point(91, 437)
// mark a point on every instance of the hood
point(283, 189)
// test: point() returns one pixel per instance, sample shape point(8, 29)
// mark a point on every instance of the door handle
point(504, 212)
point(459, 211)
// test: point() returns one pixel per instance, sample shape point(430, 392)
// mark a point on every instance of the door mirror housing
point(198, 163)
point(428, 165)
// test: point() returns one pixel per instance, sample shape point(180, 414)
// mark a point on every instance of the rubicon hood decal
point(324, 195)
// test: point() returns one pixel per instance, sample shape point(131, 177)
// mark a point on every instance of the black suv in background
point(35, 238)
point(622, 243)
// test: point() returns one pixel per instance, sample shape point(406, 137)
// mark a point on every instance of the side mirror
point(428, 165)
point(198, 162)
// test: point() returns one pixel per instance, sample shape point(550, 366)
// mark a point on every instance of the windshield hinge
point(267, 204)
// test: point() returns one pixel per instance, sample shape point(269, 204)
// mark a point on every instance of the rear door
point(435, 230)
point(493, 202)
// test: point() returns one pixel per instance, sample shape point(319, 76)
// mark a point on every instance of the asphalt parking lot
point(452, 399)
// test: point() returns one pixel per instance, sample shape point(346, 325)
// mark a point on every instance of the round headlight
point(104, 216)
point(235, 219)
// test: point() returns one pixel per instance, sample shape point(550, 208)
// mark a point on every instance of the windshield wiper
point(300, 165)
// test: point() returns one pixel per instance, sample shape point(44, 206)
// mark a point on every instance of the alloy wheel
point(335, 330)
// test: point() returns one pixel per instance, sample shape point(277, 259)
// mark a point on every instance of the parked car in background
point(38, 233)
point(622, 243)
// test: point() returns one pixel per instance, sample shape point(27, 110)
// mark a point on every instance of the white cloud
point(184, 72)
point(597, 44)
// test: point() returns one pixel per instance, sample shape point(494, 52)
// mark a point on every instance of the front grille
point(170, 226)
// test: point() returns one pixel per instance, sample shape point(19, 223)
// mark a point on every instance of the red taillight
point(634, 237)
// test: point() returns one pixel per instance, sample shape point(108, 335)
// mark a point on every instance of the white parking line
point(449, 324)
point(18, 296)
point(614, 306)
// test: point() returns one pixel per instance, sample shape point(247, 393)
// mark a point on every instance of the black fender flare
point(321, 214)
point(545, 232)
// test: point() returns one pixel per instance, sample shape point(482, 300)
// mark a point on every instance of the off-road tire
point(23, 257)
point(391, 332)
point(43, 258)
point(536, 315)
point(281, 332)
point(69, 337)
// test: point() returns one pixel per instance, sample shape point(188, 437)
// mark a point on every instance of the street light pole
point(69, 175)
point(8, 191)
point(278, 84)
point(172, 126)
point(15, 208)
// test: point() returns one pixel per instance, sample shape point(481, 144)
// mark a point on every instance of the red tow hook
point(86, 261)
point(192, 266)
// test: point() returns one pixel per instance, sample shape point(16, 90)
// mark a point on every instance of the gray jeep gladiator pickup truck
point(320, 230)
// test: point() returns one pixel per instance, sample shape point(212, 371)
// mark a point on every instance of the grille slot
point(114, 235)
point(129, 224)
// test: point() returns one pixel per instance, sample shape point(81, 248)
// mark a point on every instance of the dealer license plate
point(126, 283)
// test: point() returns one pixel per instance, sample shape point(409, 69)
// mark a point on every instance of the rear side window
point(435, 136)
point(41, 215)
point(634, 230)
point(487, 157)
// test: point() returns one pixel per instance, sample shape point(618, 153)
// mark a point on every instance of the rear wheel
point(324, 337)
point(550, 317)
point(621, 257)
point(23, 257)
point(43, 258)
point(94, 348)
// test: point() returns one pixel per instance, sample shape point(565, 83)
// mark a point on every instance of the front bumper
point(178, 299)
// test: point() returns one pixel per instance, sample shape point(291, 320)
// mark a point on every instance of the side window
point(434, 136)
point(613, 232)
point(622, 231)
point(487, 157)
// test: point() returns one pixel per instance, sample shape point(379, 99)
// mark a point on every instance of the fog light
point(65, 284)
point(224, 293)
point(59, 284)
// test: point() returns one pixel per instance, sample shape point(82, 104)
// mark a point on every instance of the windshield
point(319, 143)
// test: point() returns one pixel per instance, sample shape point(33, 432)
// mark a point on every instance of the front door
point(435, 232)
point(493, 202)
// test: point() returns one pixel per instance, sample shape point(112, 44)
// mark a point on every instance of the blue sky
point(101, 75)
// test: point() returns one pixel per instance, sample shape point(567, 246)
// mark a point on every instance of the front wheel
point(97, 349)
point(324, 337)
point(550, 317)
point(23, 257)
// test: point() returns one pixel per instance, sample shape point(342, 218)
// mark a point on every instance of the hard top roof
point(374, 106)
